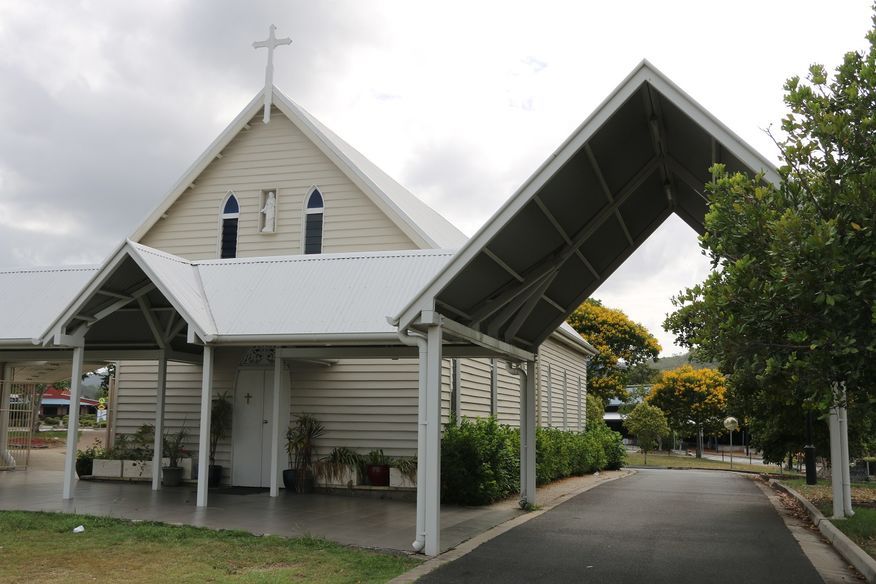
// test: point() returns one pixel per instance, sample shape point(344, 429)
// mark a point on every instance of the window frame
point(221, 228)
point(308, 211)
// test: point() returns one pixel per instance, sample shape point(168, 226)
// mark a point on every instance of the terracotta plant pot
point(378, 474)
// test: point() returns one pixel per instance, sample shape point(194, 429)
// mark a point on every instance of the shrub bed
point(480, 459)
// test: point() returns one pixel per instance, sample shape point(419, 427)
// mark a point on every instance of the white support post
point(527, 434)
point(158, 447)
point(422, 436)
point(5, 390)
point(73, 421)
point(275, 427)
point(836, 473)
point(844, 453)
point(432, 478)
point(204, 436)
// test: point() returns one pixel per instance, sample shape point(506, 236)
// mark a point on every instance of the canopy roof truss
point(644, 154)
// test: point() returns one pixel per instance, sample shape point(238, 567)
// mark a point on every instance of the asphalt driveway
point(657, 526)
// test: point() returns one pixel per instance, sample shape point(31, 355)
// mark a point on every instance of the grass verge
point(39, 547)
point(861, 528)
point(662, 460)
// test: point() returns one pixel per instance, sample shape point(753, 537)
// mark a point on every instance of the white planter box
point(137, 469)
point(107, 468)
point(348, 478)
point(397, 479)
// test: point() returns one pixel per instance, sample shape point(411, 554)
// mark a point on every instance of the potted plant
point(377, 468)
point(403, 472)
point(171, 475)
point(300, 438)
point(340, 467)
point(220, 428)
point(85, 458)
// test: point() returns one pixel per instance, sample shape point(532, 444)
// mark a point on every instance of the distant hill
point(665, 363)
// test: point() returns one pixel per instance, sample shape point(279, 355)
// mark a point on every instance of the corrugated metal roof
point(332, 297)
point(315, 294)
point(33, 297)
point(179, 280)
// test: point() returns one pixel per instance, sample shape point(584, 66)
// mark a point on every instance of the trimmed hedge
point(480, 459)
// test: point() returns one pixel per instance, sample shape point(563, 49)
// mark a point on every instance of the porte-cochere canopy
point(642, 155)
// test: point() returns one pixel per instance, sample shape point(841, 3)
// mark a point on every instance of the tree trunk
point(700, 442)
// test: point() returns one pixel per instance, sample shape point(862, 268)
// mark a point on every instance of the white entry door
point(251, 429)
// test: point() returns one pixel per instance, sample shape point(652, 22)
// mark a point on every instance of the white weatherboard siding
point(137, 395)
point(561, 359)
point(363, 403)
point(273, 156)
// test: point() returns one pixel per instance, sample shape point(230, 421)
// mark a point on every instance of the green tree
point(790, 308)
point(648, 424)
point(694, 400)
point(622, 345)
point(594, 412)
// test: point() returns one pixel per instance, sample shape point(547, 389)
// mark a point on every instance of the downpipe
point(415, 339)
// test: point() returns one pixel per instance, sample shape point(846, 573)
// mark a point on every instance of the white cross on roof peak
point(271, 43)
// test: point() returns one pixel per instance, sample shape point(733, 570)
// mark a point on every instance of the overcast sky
point(103, 105)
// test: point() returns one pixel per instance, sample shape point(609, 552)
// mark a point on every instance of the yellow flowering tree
point(622, 344)
point(694, 401)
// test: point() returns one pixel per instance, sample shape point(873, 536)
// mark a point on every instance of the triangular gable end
point(425, 227)
point(641, 156)
point(126, 278)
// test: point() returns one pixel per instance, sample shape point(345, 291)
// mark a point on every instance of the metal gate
point(17, 423)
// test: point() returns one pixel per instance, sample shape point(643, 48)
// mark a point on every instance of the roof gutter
point(390, 338)
point(583, 346)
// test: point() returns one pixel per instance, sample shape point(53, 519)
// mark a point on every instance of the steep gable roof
point(642, 155)
point(417, 220)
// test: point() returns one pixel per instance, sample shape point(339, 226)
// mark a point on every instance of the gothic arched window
point(313, 219)
point(228, 227)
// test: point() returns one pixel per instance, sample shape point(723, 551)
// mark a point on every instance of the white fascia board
point(200, 328)
point(727, 137)
point(106, 270)
point(644, 72)
point(583, 347)
point(327, 339)
point(200, 165)
point(360, 179)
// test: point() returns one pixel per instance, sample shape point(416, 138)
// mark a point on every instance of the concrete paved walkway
point(352, 520)
point(347, 519)
point(657, 526)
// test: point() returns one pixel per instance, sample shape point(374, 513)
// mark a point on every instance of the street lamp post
point(731, 424)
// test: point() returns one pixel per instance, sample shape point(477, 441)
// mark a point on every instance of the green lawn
point(862, 527)
point(662, 460)
point(40, 547)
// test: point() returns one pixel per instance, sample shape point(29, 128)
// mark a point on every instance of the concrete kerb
point(471, 544)
point(848, 549)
